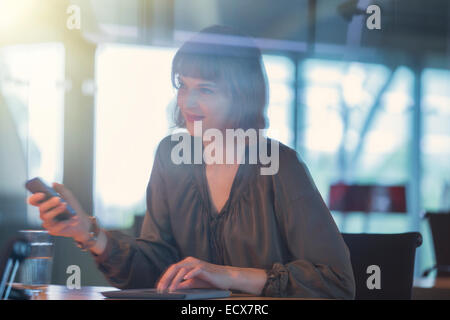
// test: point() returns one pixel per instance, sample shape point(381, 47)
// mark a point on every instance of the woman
point(220, 225)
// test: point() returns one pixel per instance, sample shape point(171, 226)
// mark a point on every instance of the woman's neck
point(223, 153)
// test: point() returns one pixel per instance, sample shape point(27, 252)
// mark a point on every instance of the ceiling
point(408, 26)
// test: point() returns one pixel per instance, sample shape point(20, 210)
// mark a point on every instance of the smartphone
point(37, 185)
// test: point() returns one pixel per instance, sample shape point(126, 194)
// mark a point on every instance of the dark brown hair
point(224, 55)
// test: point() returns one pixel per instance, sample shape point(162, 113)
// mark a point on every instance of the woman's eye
point(206, 91)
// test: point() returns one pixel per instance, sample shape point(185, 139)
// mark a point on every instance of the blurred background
point(85, 97)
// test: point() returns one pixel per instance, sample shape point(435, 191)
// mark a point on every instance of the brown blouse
point(278, 223)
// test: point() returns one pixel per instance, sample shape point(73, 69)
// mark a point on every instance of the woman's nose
point(192, 100)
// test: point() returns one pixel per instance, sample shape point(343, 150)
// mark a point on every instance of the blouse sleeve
point(320, 261)
point(128, 262)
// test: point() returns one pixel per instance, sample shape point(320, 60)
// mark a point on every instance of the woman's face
point(203, 100)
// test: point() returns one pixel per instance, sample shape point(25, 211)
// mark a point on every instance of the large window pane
point(435, 151)
point(436, 139)
point(134, 91)
point(32, 88)
point(356, 126)
point(280, 75)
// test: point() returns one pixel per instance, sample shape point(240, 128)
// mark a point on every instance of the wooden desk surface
point(59, 292)
point(440, 283)
point(431, 289)
point(423, 289)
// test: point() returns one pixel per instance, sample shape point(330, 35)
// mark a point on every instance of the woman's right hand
point(76, 227)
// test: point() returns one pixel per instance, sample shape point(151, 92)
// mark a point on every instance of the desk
point(424, 289)
point(431, 289)
point(59, 292)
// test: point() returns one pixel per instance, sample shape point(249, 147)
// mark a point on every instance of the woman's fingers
point(57, 228)
point(194, 283)
point(194, 269)
point(188, 284)
point(187, 278)
point(49, 204)
point(177, 279)
point(68, 196)
point(168, 276)
point(193, 273)
point(206, 275)
point(36, 198)
point(50, 214)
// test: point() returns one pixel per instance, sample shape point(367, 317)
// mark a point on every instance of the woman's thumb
point(63, 191)
point(67, 195)
point(59, 188)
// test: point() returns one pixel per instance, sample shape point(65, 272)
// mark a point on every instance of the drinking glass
point(35, 271)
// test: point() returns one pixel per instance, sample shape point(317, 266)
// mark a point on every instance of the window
point(356, 129)
point(436, 139)
point(435, 151)
point(132, 116)
point(280, 76)
point(32, 87)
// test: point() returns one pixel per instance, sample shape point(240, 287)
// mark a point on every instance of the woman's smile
point(190, 117)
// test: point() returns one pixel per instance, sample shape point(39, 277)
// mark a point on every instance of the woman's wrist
point(90, 237)
point(100, 245)
point(248, 280)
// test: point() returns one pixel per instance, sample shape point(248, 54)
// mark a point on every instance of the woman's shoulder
point(171, 148)
point(287, 154)
point(293, 174)
point(287, 157)
point(167, 143)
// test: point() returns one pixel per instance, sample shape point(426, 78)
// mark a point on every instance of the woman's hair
point(231, 59)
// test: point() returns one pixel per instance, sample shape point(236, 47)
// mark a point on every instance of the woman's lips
point(193, 117)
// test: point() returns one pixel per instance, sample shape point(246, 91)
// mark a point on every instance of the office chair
point(393, 254)
point(440, 230)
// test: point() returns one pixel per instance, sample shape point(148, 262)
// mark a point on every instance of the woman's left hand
point(195, 273)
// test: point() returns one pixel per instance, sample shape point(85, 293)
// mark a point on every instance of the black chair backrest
point(440, 230)
point(393, 254)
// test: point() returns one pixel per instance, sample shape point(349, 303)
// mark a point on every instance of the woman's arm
point(125, 261)
point(249, 280)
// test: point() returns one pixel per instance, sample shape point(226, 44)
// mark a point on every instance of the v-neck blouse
point(278, 223)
